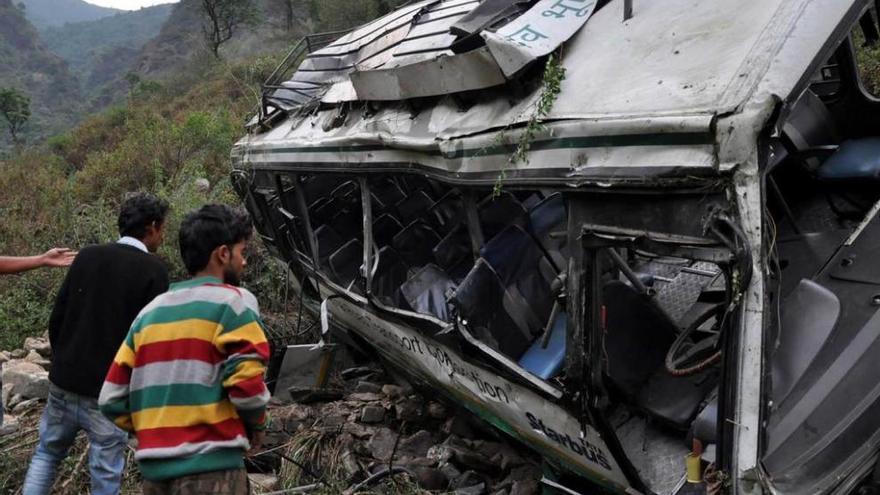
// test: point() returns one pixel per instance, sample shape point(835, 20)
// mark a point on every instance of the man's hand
point(58, 257)
point(256, 438)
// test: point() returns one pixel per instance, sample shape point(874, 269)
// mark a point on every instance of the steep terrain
point(181, 41)
point(30, 67)
point(101, 51)
point(46, 13)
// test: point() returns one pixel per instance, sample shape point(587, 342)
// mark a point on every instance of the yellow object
point(694, 468)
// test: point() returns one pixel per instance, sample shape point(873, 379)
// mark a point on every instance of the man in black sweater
point(105, 289)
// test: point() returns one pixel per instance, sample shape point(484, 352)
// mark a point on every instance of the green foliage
point(81, 44)
point(868, 63)
point(335, 15)
point(554, 74)
point(15, 107)
point(67, 193)
point(223, 18)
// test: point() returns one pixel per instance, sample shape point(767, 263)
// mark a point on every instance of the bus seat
point(546, 362)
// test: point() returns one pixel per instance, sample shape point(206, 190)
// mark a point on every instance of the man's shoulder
point(238, 298)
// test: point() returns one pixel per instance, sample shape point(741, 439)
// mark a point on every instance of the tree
point(16, 109)
point(287, 7)
point(223, 18)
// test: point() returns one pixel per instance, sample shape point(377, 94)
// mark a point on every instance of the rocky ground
point(367, 433)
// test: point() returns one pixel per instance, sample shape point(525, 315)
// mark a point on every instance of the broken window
point(333, 204)
point(420, 241)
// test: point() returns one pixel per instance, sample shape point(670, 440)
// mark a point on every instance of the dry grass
point(73, 473)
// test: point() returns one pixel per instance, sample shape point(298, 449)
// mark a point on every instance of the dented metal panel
point(516, 409)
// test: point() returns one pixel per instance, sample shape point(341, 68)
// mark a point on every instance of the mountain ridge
point(47, 13)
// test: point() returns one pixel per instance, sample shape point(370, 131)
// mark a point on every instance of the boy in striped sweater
point(188, 379)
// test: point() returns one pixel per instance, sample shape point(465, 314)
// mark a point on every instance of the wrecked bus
point(607, 228)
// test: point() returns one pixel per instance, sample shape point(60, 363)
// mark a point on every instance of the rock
point(392, 391)
point(267, 482)
point(18, 353)
point(310, 395)
point(10, 425)
point(509, 458)
point(437, 410)
point(409, 409)
point(502, 491)
point(36, 358)
point(381, 445)
point(440, 454)
point(25, 405)
point(416, 445)
point(4, 356)
point(523, 473)
point(40, 345)
point(527, 487)
point(372, 414)
point(364, 397)
point(431, 478)
point(468, 478)
point(365, 387)
point(357, 430)
point(450, 471)
point(29, 380)
point(333, 421)
point(14, 400)
point(478, 489)
point(473, 460)
point(203, 185)
point(6, 394)
point(349, 464)
point(458, 425)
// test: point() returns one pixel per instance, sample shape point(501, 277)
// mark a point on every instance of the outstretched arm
point(52, 257)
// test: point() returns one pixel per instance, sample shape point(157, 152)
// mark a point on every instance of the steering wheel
point(687, 357)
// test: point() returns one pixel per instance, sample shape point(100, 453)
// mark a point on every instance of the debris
point(368, 387)
point(24, 406)
point(409, 409)
point(372, 414)
point(430, 478)
point(392, 391)
point(29, 380)
point(365, 397)
point(268, 482)
point(382, 444)
point(436, 410)
point(525, 487)
point(468, 478)
point(416, 446)
point(202, 184)
point(477, 489)
point(351, 373)
point(311, 395)
point(40, 345)
point(38, 359)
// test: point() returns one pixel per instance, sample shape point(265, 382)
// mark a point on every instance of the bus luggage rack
point(278, 96)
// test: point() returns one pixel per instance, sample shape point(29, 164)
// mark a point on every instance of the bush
point(68, 193)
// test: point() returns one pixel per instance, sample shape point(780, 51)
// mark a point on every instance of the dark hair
point(206, 229)
point(139, 211)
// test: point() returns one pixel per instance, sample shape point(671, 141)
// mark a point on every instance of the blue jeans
point(65, 414)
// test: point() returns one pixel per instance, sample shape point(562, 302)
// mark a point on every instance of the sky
point(128, 4)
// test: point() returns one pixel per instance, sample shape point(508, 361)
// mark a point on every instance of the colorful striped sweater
point(188, 379)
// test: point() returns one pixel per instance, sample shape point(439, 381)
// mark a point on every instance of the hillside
point(30, 67)
point(102, 50)
point(181, 39)
point(47, 13)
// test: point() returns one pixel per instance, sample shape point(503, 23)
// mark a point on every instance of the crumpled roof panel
point(423, 50)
